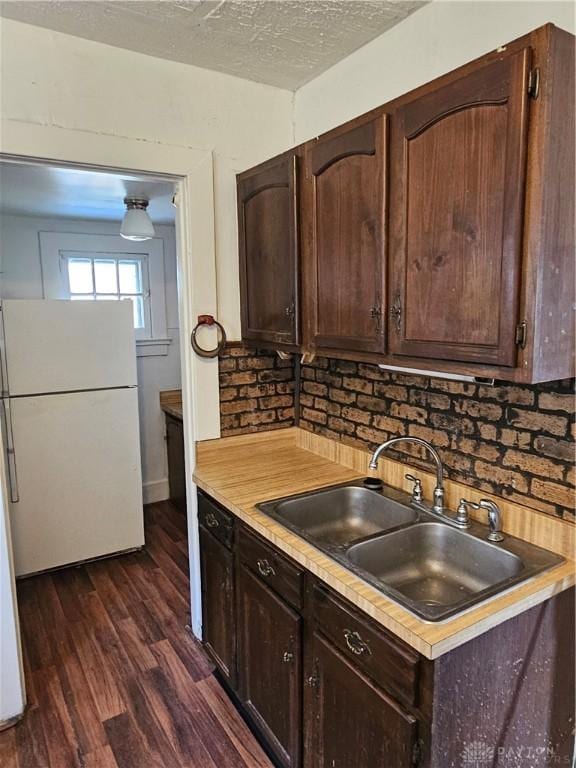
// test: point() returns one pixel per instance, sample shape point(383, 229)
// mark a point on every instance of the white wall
point(12, 696)
point(56, 88)
point(21, 278)
point(434, 40)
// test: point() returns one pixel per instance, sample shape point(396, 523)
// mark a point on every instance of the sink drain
point(374, 483)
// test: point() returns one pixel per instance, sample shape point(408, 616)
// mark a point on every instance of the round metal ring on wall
point(208, 352)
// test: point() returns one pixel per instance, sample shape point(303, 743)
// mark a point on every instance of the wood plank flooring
point(114, 680)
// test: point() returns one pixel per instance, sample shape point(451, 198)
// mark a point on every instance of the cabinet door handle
point(356, 644)
point(265, 568)
point(211, 520)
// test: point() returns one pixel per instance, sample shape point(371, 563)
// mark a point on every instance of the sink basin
point(436, 570)
point(340, 516)
point(430, 567)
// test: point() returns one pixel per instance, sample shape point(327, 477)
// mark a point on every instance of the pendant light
point(137, 224)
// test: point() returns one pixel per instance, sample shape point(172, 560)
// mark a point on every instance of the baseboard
point(155, 490)
point(11, 721)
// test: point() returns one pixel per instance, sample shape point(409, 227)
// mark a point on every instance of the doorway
point(61, 240)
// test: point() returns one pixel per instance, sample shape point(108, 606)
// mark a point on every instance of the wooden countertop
point(173, 410)
point(241, 471)
point(171, 402)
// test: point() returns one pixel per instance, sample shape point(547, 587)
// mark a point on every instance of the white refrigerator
point(70, 417)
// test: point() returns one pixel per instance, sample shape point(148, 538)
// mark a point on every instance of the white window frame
point(55, 247)
point(141, 334)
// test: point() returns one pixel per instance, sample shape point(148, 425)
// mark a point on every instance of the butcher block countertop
point(241, 471)
point(171, 402)
point(173, 410)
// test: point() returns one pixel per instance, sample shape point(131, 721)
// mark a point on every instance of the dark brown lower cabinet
point(218, 603)
point(348, 719)
point(324, 686)
point(176, 463)
point(270, 676)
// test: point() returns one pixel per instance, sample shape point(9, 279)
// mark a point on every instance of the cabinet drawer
point(393, 666)
point(215, 519)
point(284, 577)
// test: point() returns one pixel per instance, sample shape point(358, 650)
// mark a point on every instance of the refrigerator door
point(67, 346)
point(77, 460)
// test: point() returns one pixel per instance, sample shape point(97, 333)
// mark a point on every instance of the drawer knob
point(356, 644)
point(211, 520)
point(287, 657)
point(265, 568)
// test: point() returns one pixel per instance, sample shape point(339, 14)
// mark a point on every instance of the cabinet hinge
point(417, 752)
point(396, 313)
point(534, 83)
point(313, 680)
point(376, 314)
point(290, 310)
point(521, 333)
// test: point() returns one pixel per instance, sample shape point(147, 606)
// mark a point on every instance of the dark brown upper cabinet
point(449, 247)
point(458, 162)
point(344, 242)
point(481, 252)
point(268, 244)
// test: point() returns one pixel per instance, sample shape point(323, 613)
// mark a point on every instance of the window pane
point(105, 274)
point(80, 275)
point(80, 297)
point(138, 304)
point(107, 297)
point(130, 273)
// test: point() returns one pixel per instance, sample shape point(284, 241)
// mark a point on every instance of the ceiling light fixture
point(136, 224)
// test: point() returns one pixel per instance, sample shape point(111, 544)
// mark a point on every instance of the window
point(111, 277)
point(88, 267)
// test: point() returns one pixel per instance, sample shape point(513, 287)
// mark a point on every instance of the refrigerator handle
point(12, 474)
point(3, 361)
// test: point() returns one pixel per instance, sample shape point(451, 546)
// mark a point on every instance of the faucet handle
point(417, 490)
point(462, 517)
point(494, 519)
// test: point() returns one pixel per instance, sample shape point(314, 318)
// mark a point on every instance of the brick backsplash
point(516, 441)
point(513, 440)
point(256, 390)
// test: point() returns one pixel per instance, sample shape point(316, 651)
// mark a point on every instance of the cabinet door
point(269, 645)
point(344, 206)
point(458, 157)
point(268, 244)
point(218, 604)
point(348, 720)
point(176, 464)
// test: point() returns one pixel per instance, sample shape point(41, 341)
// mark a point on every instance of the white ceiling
point(280, 42)
point(38, 190)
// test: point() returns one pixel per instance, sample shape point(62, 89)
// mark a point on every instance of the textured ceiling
point(42, 190)
point(280, 42)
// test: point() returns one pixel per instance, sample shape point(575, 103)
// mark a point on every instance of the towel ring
point(208, 320)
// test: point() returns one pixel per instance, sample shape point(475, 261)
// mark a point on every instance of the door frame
point(192, 171)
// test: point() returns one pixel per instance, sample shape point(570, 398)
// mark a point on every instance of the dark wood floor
point(114, 680)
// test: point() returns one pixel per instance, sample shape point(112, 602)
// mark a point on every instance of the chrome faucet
point(438, 506)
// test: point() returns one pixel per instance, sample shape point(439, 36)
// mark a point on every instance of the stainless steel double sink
point(425, 564)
